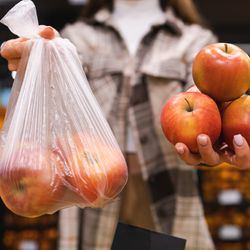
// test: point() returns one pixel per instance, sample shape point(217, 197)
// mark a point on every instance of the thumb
point(242, 151)
point(47, 32)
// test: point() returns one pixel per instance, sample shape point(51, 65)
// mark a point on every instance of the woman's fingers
point(208, 155)
point(13, 64)
point(47, 32)
point(241, 158)
point(12, 49)
point(184, 153)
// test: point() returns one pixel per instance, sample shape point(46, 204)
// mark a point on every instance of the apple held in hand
point(93, 170)
point(236, 120)
point(222, 71)
point(188, 114)
point(30, 184)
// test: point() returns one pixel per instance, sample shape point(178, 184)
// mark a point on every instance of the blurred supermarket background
point(225, 191)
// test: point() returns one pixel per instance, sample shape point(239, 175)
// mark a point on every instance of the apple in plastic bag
point(93, 170)
point(30, 182)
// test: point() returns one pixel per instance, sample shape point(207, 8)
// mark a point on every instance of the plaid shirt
point(133, 90)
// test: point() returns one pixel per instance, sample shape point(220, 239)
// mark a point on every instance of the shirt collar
point(170, 21)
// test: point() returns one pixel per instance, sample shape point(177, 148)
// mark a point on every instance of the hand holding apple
point(221, 71)
point(208, 156)
point(188, 114)
point(235, 115)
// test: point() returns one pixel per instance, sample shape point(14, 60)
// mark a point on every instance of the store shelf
point(225, 194)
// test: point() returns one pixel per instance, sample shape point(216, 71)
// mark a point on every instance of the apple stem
point(189, 106)
point(226, 47)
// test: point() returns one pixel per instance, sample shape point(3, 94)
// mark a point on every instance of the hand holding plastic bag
point(57, 149)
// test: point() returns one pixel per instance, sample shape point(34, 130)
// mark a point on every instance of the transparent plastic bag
point(57, 149)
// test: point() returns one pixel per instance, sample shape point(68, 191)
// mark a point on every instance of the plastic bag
point(57, 149)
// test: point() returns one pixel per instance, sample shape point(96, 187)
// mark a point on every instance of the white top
point(133, 19)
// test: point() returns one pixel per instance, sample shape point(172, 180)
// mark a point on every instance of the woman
point(137, 54)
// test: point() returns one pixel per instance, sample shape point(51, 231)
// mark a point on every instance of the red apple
point(222, 71)
point(30, 184)
point(236, 120)
point(94, 170)
point(188, 114)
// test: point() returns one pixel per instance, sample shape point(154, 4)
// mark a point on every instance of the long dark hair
point(184, 9)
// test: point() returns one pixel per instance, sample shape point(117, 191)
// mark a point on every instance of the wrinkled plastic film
point(22, 19)
point(56, 144)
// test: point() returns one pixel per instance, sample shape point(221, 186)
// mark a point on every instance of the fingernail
point(238, 140)
point(180, 150)
point(202, 140)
